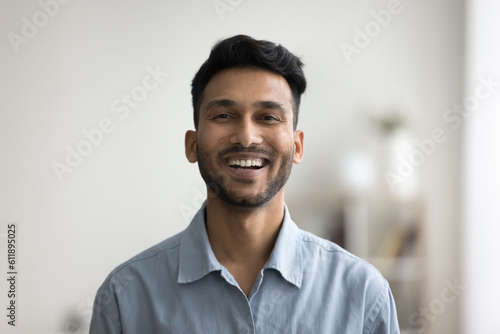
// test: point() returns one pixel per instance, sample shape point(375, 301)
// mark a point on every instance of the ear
point(190, 146)
point(299, 146)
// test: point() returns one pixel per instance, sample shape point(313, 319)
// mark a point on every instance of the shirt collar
point(196, 258)
point(286, 256)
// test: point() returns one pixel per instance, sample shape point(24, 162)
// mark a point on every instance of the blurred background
point(401, 128)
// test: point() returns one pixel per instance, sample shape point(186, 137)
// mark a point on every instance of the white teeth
point(246, 163)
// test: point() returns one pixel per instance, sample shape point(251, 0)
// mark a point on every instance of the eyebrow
point(259, 104)
point(220, 103)
point(271, 105)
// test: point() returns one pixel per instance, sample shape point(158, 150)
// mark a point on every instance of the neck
point(243, 236)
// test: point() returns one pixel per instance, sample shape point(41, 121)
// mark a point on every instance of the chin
point(245, 201)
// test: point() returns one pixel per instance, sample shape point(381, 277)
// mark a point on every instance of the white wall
point(129, 192)
point(481, 177)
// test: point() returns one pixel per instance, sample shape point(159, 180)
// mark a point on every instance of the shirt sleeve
point(105, 316)
point(386, 320)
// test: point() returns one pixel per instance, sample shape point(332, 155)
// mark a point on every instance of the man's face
point(245, 144)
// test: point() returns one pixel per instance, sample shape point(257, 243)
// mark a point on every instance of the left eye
point(270, 118)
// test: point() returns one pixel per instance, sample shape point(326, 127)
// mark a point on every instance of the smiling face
point(245, 144)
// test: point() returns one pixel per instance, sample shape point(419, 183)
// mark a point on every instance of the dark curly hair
point(244, 51)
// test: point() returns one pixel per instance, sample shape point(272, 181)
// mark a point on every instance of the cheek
point(284, 142)
point(211, 135)
point(210, 143)
point(206, 139)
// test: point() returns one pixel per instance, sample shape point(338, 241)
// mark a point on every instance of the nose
point(246, 133)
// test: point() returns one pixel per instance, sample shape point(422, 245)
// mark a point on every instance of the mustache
point(252, 149)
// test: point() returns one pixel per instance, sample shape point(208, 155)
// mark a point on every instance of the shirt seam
point(378, 308)
point(103, 309)
point(116, 322)
point(307, 238)
point(133, 260)
point(342, 251)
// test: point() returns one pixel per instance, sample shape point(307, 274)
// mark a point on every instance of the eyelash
point(265, 117)
point(270, 118)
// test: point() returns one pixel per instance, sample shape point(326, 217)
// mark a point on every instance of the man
point(242, 265)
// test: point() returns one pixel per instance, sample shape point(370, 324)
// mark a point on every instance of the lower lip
point(245, 172)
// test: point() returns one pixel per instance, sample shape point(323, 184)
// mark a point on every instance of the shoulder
point(131, 280)
point(146, 261)
point(352, 280)
point(331, 259)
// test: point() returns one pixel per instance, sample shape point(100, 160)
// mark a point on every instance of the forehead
point(247, 86)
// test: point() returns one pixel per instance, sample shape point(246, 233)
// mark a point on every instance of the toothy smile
point(255, 163)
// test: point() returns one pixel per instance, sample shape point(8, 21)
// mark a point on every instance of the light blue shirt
point(308, 285)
